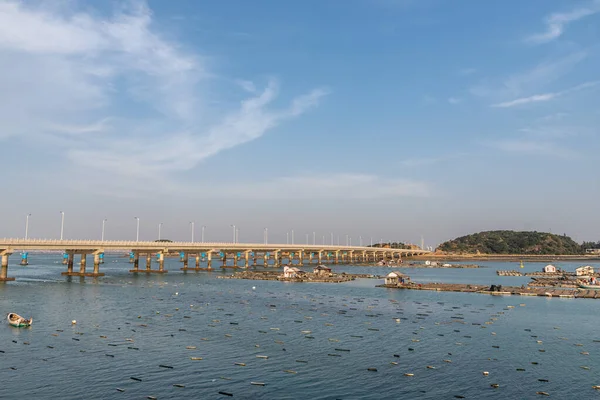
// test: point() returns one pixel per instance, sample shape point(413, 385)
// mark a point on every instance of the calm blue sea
point(138, 326)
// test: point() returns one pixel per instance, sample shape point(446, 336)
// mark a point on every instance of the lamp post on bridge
point(62, 224)
point(137, 231)
point(237, 235)
point(159, 229)
point(292, 236)
point(332, 238)
point(266, 235)
point(27, 225)
point(287, 238)
point(314, 239)
point(192, 223)
point(323, 240)
point(233, 226)
point(103, 223)
point(202, 238)
point(360, 241)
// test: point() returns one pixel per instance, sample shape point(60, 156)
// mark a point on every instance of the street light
point(27, 226)
point(266, 236)
point(159, 229)
point(192, 223)
point(332, 238)
point(292, 236)
point(237, 235)
point(137, 232)
point(203, 227)
point(287, 238)
point(233, 226)
point(360, 241)
point(103, 222)
point(62, 224)
point(314, 239)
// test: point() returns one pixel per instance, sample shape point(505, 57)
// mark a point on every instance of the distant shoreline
point(507, 257)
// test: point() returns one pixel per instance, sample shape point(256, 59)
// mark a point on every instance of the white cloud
point(116, 95)
point(557, 22)
point(544, 97)
point(454, 100)
point(526, 100)
point(532, 147)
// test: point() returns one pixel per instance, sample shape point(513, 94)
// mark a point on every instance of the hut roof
point(395, 274)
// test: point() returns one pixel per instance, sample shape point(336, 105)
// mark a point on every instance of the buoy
point(73, 322)
point(254, 288)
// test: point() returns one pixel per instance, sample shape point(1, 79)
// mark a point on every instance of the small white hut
point(550, 269)
point(586, 270)
point(396, 278)
point(291, 272)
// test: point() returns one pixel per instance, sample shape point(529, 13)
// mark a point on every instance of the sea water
point(139, 326)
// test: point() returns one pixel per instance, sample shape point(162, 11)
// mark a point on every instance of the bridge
point(272, 255)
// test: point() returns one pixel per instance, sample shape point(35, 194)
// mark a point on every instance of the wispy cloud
point(532, 147)
point(534, 79)
point(454, 100)
point(424, 161)
point(118, 96)
point(544, 97)
point(556, 23)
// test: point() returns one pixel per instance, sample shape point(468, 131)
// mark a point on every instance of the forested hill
point(511, 242)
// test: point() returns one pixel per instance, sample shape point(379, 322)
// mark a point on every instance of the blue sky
point(388, 119)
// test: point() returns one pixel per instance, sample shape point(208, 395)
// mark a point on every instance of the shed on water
point(550, 268)
point(396, 278)
point(584, 271)
point(321, 270)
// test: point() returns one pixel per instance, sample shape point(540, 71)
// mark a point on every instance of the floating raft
point(506, 290)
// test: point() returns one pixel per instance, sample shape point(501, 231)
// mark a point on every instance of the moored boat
point(591, 287)
point(18, 321)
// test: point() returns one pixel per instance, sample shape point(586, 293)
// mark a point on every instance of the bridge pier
point(4, 268)
point(300, 258)
point(247, 259)
point(24, 258)
point(235, 259)
point(209, 260)
point(198, 261)
point(82, 265)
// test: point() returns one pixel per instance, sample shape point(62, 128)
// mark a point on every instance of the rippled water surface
point(138, 326)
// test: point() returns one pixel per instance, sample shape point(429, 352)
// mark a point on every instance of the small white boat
point(18, 321)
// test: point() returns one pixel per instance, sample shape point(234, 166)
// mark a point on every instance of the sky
point(377, 119)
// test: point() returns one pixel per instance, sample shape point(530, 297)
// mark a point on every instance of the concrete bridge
point(270, 254)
